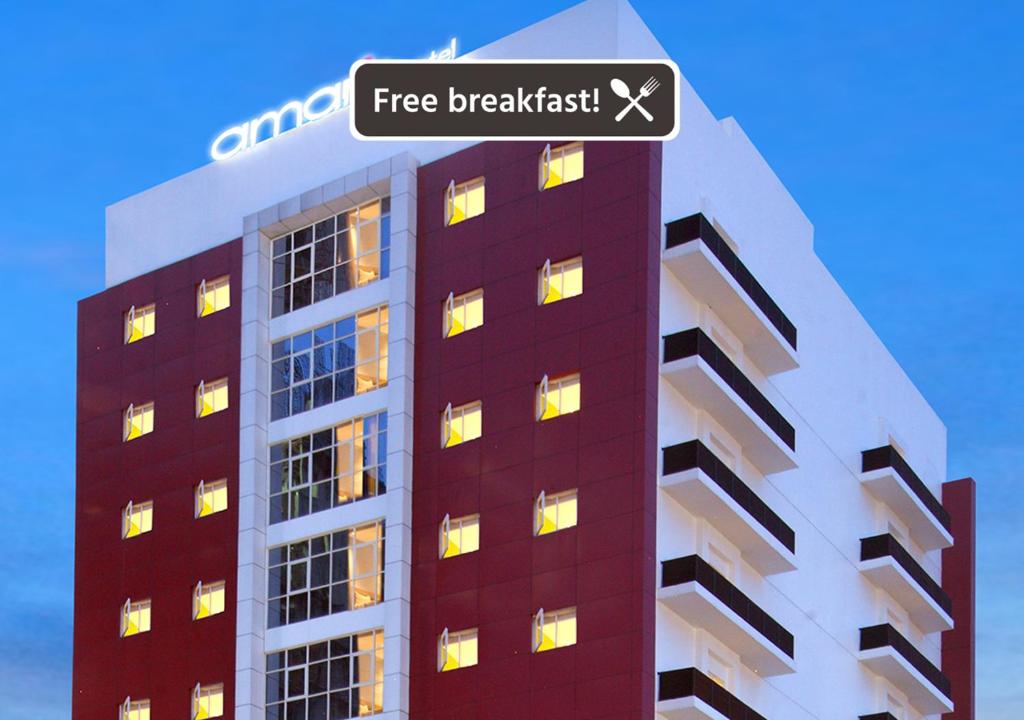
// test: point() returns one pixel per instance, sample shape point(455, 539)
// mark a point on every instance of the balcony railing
point(697, 227)
point(886, 545)
point(694, 568)
point(692, 683)
point(887, 456)
point(694, 342)
point(694, 454)
point(879, 636)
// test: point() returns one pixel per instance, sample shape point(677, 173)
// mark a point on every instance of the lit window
point(330, 363)
point(554, 629)
point(344, 674)
point(139, 323)
point(560, 281)
point(207, 599)
point(213, 296)
point(463, 201)
point(561, 165)
point(138, 421)
point(207, 701)
point(558, 397)
point(326, 574)
point(135, 617)
point(456, 650)
point(461, 424)
point(463, 313)
point(328, 468)
point(211, 497)
point(554, 512)
point(136, 518)
point(134, 709)
point(211, 397)
point(459, 536)
point(331, 257)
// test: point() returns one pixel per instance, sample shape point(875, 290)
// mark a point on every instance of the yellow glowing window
point(139, 323)
point(463, 201)
point(561, 165)
point(213, 296)
point(134, 709)
point(456, 650)
point(135, 617)
point(211, 497)
point(558, 397)
point(459, 536)
point(554, 512)
point(559, 281)
point(463, 312)
point(461, 424)
point(207, 701)
point(136, 518)
point(211, 397)
point(207, 599)
point(371, 349)
point(138, 421)
point(554, 629)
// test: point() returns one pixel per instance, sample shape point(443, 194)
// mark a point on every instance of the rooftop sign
point(294, 114)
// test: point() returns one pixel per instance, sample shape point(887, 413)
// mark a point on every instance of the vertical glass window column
point(332, 256)
point(331, 363)
point(337, 679)
point(329, 468)
point(325, 575)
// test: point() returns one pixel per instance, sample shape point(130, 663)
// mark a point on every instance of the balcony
point(704, 375)
point(689, 694)
point(703, 597)
point(887, 653)
point(698, 256)
point(888, 565)
point(889, 478)
point(694, 477)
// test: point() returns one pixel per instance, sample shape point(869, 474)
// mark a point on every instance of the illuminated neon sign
point(321, 103)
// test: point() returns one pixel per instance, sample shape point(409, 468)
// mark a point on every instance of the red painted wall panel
point(606, 565)
point(164, 466)
point(958, 497)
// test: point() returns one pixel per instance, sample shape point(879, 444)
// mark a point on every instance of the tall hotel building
point(504, 430)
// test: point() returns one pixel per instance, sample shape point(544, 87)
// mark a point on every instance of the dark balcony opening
point(695, 342)
point(697, 227)
point(694, 568)
point(888, 546)
point(886, 635)
point(878, 716)
point(695, 454)
point(691, 682)
point(888, 456)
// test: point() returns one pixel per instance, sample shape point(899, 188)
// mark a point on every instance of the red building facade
point(165, 564)
point(604, 567)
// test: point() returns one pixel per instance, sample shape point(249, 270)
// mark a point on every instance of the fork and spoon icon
point(646, 90)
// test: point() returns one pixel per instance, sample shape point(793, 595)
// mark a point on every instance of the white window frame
point(445, 642)
point(544, 278)
point(145, 314)
point(214, 386)
point(540, 620)
point(557, 154)
point(454, 192)
point(130, 414)
point(208, 691)
point(213, 488)
point(212, 286)
point(134, 709)
point(448, 418)
point(540, 507)
point(445, 534)
point(544, 390)
point(136, 608)
point(463, 301)
point(126, 518)
point(208, 591)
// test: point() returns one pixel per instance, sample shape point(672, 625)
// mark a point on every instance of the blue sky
point(895, 125)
